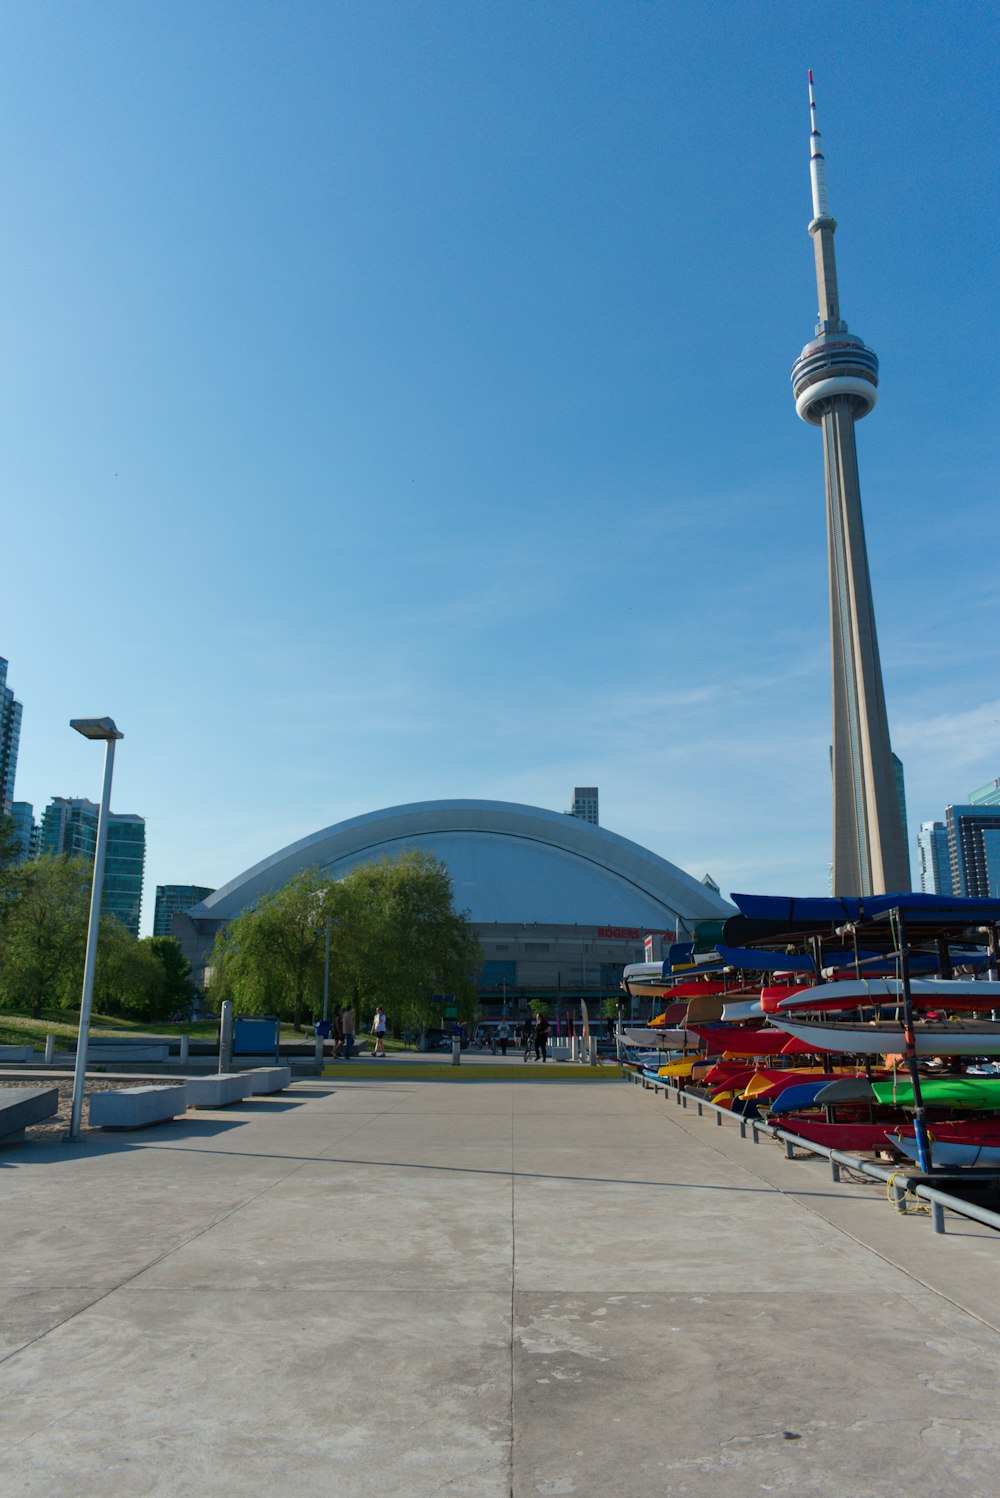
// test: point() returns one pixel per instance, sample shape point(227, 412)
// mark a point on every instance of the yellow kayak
point(682, 1068)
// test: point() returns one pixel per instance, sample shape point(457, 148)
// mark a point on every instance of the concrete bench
point(21, 1106)
point(17, 1053)
point(218, 1090)
point(269, 1078)
point(135, 1107)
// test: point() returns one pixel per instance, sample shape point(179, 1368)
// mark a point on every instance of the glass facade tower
point(69, 827)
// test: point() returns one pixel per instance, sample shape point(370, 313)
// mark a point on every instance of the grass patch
point(24, 1029)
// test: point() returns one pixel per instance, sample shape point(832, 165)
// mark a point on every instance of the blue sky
point(396, 406)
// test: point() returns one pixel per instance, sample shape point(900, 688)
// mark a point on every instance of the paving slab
point(415, 1289)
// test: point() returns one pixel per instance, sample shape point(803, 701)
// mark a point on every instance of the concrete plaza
point(421, 1288)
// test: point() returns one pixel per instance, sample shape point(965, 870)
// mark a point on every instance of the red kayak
point(740, 1042)
point(957, 1130)
point(848, 1137)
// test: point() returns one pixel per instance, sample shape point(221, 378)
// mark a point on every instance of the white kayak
point(651, 1038)
point(955, 1037)
point(741, 1009)
point(943, 991)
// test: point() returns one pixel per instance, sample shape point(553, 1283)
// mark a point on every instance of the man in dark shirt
point(541, 1037)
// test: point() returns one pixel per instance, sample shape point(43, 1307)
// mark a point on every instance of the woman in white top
point(378, 1030)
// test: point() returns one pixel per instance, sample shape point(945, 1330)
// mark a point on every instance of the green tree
point(269, 959)
point(44, 935)
point(396, 940)
point(178, 990)
point(404, 941)
point(128, 977)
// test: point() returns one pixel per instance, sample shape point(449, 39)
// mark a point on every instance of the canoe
point(944, 1152)
point(794, 1099)
point(650, 1039)
point(671, 1017)
point(978, 1093)
point(767, 1084)
point(739, 1042)
point(859, 993)
point(848, 1137)
point(947, 1038)
point(682, 1068)
point(705, 1009)
point(845, 1090)
point(741, 1009)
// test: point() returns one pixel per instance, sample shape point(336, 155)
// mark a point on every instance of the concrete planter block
point(21, 1106)
point(218, 1090)
point(269, 1078)
point(17, 1053)
point(135, 1107)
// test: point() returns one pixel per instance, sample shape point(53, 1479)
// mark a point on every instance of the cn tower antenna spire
point(835, 384)
point(817, 162)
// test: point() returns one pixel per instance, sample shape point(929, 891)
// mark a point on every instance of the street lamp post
point(92, 728)
point(326, 973)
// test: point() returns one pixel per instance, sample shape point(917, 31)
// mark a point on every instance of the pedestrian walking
point(541, 1037)
point(347, 1025)
point(378, 1030)
point(503, 1037)
point(337, 1032)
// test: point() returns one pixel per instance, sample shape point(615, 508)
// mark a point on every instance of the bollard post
point(937, 1217)
point(185, 1049)
point(756, 1135)
point(226, 1036)
point(718, 1119)
point(456, 1050)
point(789, 1150)
point(834, 1170)
point(743, 1128)
point(50, 1049)
point(700, 1108)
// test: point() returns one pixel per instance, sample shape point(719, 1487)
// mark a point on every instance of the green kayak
point(981, 1093)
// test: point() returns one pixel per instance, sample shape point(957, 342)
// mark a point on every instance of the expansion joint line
point(792, 1195)
point(159, 1258)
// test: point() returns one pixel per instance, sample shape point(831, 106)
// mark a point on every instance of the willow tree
point(269, 960)
point(406, 942)
point(395, 940)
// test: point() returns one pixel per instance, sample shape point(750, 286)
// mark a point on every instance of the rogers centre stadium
point(559, 904)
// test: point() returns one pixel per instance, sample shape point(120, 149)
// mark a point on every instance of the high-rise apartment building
point(900, 779)
point(934, 859)
point(974, 850)
point(10, 737)
point(69, 826)
point(585, 804)
point(25, 828)
point(834, 381)
point(171, 898)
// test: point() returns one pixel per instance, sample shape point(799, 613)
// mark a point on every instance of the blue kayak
point(802, 1095)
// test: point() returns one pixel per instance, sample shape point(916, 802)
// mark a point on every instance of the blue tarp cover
point(841, 910)
point(765, 962)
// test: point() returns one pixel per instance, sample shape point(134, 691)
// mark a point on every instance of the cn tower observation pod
point(508, 864)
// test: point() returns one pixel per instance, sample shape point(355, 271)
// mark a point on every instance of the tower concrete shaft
point(835, 383)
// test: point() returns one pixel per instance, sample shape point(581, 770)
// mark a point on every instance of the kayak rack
point(898, 1184)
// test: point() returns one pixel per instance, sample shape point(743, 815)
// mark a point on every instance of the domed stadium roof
point(508, 864)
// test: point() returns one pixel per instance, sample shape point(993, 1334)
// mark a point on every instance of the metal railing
point(939, 1201)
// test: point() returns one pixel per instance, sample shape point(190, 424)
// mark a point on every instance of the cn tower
point(834, 381)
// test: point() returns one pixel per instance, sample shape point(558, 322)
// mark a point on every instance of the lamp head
point(96, 728)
